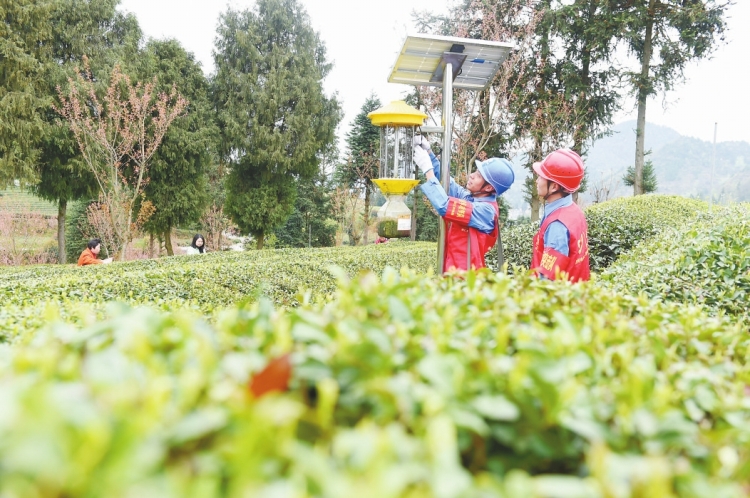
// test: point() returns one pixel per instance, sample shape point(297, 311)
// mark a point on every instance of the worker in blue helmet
point(471, 213)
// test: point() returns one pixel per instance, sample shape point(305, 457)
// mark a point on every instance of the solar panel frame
point(420, 56)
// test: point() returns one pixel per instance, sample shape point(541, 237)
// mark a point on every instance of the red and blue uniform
point(561, 245)
point(471, 222)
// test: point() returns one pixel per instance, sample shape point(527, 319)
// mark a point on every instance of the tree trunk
point(538, 134)
point(535, 202)
point(62, 208)
point(535, 205)
point(122, 251)
point(151, 246)
point(260, 240)
point(580, 135)
point(414, 204)
point(168, 241)
point(368, 193)
point(643, 93)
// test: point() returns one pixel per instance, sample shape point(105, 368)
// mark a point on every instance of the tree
point(25, 33)
point(273, 115)
point(311, 223)
point(92, 28)
point(556, 89)
point(117, 138)
point(649, 183)
point(587, 36)
point(664, 36)
point(482, 120)
point(362, 165)
point(177, 185)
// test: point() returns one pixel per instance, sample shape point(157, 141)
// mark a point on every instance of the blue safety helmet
point(497, 172)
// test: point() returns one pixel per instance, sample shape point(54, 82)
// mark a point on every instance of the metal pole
point(713, 166)
point(395, 152)
point(445, 162)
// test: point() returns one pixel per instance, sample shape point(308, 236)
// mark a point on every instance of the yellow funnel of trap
point(399, 186)
point(397, 113)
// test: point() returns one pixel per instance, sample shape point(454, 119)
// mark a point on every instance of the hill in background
point(682, 164)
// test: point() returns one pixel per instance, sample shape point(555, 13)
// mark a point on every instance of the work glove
point(422, 141)
point(422, 159)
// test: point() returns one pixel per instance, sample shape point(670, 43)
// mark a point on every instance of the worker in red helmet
point(561, 248)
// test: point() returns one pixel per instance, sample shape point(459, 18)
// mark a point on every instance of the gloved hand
point(422, 159)
point(422, 141)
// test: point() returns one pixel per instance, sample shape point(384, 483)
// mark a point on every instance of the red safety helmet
point(562, 166)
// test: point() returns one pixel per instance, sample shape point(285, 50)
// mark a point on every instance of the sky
point(363, 38)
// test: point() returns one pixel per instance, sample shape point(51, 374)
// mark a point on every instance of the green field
point(16, 200)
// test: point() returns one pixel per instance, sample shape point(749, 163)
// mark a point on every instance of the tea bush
point(403, 385)
point(203, 283)
point(614, 228)
point(617, 226)
point(706, 263)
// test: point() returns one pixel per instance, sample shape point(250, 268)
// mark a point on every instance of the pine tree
point(362, 165)
point(311, 224)
point(274, 118)
point(649, 182)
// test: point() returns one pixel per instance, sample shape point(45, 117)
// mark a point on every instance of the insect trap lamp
point(398, 124)
point(453, 64)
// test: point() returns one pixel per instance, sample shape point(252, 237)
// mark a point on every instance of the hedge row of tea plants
point(614, 228)
point(402, 386)
point(216, 279)
point(706, 262)
point(203, 283)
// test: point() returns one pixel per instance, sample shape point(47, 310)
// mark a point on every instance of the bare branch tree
point(117, 138)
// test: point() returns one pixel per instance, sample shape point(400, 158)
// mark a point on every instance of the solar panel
point(422, 60)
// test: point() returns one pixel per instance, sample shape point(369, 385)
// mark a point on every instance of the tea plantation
point(404, 384)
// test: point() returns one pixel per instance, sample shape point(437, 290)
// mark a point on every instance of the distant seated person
point(198, 246)
point(90, 255)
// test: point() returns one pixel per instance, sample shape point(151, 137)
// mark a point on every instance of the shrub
point(517, 242)
point(706, 262)
point(212, 281)
point(614, 228)
point(403, 385)
point(617, 226)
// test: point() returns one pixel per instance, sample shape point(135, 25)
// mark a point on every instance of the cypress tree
point(273, 116)
point(25, 35)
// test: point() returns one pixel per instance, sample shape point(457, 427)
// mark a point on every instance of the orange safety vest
point(465, 247)
point(551, 263)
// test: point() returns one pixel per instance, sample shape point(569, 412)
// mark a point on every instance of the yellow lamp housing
point(398, 123)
